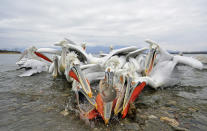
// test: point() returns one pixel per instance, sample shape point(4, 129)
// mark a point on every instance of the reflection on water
point(35, 103)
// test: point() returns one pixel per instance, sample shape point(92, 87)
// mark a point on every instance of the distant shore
point(9, 52)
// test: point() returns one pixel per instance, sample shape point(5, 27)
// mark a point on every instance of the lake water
point(35, 103)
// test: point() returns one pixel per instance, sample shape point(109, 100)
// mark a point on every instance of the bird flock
point(105, 84)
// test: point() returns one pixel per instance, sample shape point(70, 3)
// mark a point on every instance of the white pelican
point(30, 59)
point(77, 74)
point(164, 66)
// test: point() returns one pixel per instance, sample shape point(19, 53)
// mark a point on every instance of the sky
point(174, 24)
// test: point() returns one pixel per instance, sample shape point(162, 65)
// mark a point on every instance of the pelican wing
point(92, 67)
point(79, 50)
point(125, 51)
point(135, 53)
point(29, 73)
point(149, 81)
point(93, 72)
point(35, 65)
point(49, 51)
point(94, 76)
point(188, 61)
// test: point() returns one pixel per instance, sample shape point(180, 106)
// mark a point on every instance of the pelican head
point(77, 74)
point(32, 49)
point(83, 46)
point(111, 48)
point(132, 91)
point(29, 51)
point(87, 105)
point(71, 60)
point(107, 96)
point(149, 62)
point(55, 70)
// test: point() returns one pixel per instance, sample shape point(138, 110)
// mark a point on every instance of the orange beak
point(100, 105)
point(77, 74)
point(92, 114)
point(133, 97)
point(43, 56)
point(73, 75)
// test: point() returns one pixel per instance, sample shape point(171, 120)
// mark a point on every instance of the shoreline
point(10, 52)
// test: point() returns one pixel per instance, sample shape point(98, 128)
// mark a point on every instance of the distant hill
point(9, 52)
point(97, 49)
point(187, 52)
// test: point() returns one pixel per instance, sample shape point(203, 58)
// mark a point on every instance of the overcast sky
point(175, 24)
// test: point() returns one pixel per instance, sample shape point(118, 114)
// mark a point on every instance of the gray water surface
point(35, 103)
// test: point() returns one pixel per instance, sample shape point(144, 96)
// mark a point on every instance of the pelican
point(30, 59)
point(77, 74)
point(107, 85)
point(156, 73)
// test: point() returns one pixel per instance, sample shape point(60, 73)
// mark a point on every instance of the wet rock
point(65, 95)
point(165, 111)
point(173, 123)
point(138, 110)
point(12, 108)
point(148, 101)
point(192, 109)
point(131, 126)
point(48, 109)
point(125, 121)
point(170, 103)
point(156, 125)
point(132, 111)
point(179, 128)
point(141, 119)
point(152, 117)
point(64, 112)
point(170, 121)
point(95, 129)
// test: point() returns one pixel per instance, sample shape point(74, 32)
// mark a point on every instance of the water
point(35, 103)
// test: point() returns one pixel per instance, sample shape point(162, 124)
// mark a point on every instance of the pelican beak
point(43, 56)
point(107, 111)
point(120, 99)
point(149, 63)
point(77, 74)
point(92, 114)
point(100, 105)
point(133, 94)
point(118, 106)
point(104, 109)
point(107, 96)
point(73, 75)
point(87, 104)
point(91, 99)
